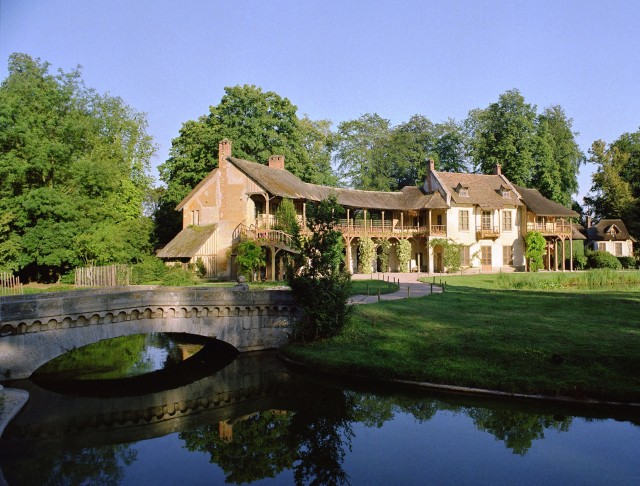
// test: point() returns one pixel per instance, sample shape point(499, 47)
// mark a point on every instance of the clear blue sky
point(339, 59)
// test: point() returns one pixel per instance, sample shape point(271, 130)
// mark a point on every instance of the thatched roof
point(609, 230)
point(187, 243)
point(542, 206)
point(279, 182)
point(483, 190)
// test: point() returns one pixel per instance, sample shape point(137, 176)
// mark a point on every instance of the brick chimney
point(276, 162)
point(224, 151)
point(498, 169)
point(589, 222)
point(431, 167)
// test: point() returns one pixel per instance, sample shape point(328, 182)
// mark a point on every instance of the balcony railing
point(487, 231)
point(560, 228)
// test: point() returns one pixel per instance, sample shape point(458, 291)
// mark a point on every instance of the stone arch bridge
point(34, 329)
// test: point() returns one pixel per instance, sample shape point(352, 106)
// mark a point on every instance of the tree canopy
point(73, 173)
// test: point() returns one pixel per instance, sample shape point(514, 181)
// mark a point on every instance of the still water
point(250, 419)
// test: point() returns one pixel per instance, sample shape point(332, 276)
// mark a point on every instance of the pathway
point(409, 286)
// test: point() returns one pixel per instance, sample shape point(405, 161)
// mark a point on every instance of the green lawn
point(490, 331)
point(371, 287)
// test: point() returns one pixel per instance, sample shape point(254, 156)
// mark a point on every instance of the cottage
point(487, 214)
point(609, 235)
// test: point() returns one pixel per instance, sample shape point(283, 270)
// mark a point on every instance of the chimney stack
point(432, 165)
point(224, 151)
point(276, 162)
point(589, 222)
point(498, 169)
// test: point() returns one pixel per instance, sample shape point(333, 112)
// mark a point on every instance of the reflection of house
point(610, 235)
point(486, 214)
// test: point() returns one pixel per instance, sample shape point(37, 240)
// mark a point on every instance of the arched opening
point(135, 364)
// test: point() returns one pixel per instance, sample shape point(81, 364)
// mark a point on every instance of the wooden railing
point(9, 284)
point(561, 228)
point(487, 231)
point(243, 231)
point(377, 227)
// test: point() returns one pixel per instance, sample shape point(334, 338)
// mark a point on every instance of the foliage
point(602, 259)
point(579, 258)
point(316, 278)
point(403, 252)
point(366, 254)
point(450, 255)
point(73, 172)
point(259, 124)
point(628, 262)
point(286, 218)
point(150, 269)
point(384, 246)
point(372, 287)
point(615, 192)
point(534, 150)
point(250, 258)
point(177, 276)
point(535, 245)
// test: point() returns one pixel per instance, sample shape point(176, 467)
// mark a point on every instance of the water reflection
point(256, 419)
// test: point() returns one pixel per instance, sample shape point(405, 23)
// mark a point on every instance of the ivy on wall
point(403, 250)
point(366, 253)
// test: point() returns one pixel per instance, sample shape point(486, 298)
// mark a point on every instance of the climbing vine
point(403, 250)
point(535, 244)
point(450, 253)
point(385, 246)
point(366, 252)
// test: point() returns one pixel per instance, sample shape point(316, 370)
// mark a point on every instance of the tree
point(259, 124)
point(615, 192)
point(451, 253)
point(72, 163)
point(286, 218)
point(316, 278)
point(504, 133)
point(535, 248)
point(250, 258)
point(356, 142)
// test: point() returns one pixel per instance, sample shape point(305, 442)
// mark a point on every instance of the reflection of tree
point(110, 358)
point(95, 466)
point(256, 450)
point(517, 429)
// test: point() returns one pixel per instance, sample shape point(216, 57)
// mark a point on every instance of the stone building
point(486, 214)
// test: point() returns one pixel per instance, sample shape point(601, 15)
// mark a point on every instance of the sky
point(340, 59)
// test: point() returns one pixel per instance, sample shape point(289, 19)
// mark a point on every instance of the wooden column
point(365, 219)
point(273, 262)
point(564, 255)
point(383, 221)
point(555, 255)
point(402, 222)
point(348, 218)
point(571, 251)
point(429, 222)
point(266, 224)
point(304, 216)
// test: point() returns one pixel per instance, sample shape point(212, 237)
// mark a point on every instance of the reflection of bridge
point(36, 329)
point(51, 422)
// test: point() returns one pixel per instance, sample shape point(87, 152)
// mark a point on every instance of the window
point(485, 256)
point(195, 217)
point(465, 256)
point(464, 192)
point(506, 221)
point(618, 249)
point(602, 246)
point(463, 220)
point(507, 255)
point(486, 220)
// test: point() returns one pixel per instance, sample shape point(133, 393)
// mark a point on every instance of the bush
point(602, 259)
point(628, 262)
point(535, 249)
point(151, 269)
point(176, 276)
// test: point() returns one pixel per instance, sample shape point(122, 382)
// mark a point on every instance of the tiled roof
point(484, 190)
point(283, 183)
point(187, 243)
point(542, 206)
point(608, 229)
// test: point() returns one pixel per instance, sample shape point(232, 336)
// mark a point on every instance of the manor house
point(486, 214)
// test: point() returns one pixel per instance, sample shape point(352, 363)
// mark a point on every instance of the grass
point(486, 331)
point(371, 287)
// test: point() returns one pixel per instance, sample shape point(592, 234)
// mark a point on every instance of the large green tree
point(615, 192)
point(259, 124)
point(73, 168)
point(534, 150)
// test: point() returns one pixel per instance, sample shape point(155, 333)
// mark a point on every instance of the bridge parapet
point(37, 328)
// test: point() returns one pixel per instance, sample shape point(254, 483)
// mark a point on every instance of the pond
point(251, 419)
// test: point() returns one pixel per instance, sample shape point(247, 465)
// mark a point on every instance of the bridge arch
point(36, 329)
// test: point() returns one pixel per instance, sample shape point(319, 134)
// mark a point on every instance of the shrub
point(176, 276)
point(385, 246)
point(628, 262)
point(535, 249)
point(366, 252)
point(451, 254)
point(250, 258)
point(403, 250)
point(603, 259)
point(149, 269)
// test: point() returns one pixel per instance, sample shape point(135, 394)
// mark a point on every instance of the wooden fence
point(10, 285)
point(109, 276)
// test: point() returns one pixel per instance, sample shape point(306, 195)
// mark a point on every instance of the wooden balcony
point(376, 228)
point(550, 229)
point(488, 232)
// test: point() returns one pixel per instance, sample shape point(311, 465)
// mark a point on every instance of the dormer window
point(613, 230)
point(462, 190)
point(505, 192)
